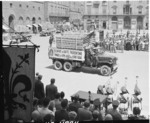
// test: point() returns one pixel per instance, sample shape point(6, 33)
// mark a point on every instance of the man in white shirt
point(44, 109)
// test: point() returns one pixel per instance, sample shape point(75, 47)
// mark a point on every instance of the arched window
point(33, 20)
point(39, 19)
point(10, 5)
point(28, 20)
point(20, 20)
point(11, 22)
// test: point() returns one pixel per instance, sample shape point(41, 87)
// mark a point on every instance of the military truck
point(67, 57)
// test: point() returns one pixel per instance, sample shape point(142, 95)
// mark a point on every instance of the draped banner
point(18, 74)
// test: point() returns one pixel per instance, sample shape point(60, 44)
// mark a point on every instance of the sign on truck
point(67, 54)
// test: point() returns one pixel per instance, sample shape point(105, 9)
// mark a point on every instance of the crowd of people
point(50, 105)
point(126, 41)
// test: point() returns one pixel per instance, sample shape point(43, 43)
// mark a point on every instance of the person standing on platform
point(51, 90)
point(51, 39)
point(39, 88)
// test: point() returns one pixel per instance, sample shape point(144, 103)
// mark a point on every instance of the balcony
point(89, 3)
point(96, 2)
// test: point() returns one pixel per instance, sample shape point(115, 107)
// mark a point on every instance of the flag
point(18, 79)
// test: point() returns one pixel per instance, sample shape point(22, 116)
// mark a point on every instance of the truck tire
point(68, 66)
point(58, 65)
point(105, 70)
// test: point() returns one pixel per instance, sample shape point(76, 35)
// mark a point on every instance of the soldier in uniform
point(123, 98)
point(109, 93)
point(136, 100)
point(100, 90)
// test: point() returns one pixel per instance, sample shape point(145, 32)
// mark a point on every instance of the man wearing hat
point(124, 101)
point(114, 112)
point(136, 100)
point(100, 90)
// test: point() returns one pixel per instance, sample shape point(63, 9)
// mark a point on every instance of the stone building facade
point(56, 11)
point(38, 12)
point(22, 13)
point(117, 15)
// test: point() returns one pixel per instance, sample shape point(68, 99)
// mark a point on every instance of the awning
point(29, 26)
point(35, 25)
point(5, 28)
point(40, 25)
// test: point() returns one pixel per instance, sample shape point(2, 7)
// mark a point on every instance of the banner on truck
point(18, 80)
point(67, 54)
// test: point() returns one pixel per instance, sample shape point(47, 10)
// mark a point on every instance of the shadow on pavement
point(79, 70)
point(84, 70)
point(50, 67)
point(87, 70)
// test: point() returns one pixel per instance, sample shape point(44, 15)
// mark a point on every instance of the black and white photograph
point(73, 61)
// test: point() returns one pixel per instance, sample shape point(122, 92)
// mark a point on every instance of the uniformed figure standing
point(123, 98)
point(136, 100)
point(109, 93)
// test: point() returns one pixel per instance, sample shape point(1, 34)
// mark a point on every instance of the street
point(131, 64)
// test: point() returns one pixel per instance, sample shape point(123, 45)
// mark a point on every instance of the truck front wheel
point(105, 70)
point(57, 65)
point(68, 66)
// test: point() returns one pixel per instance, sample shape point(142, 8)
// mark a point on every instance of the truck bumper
point(115, 68)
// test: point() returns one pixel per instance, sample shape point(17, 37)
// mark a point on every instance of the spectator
point(97, 107)
point(83, 113)
point(35, 116)
point(56, 103)
point(36, 79)
point(72, 116)
point(36, 76)
point(95, 115)
point(35, 103)
point(47, 118)
point(108, 117)
point(51, 90)
point(115, 114)
point(62, 114)
point(75, 105)
point(136, 114)
point(62, 95)
point(44, 109)
point(40, 103)
point(39, 88)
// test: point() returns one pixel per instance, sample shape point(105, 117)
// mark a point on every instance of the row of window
point(58, 7)
point(126, 10)
point(27, 18)
point(20, 5)
point(104, 2)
